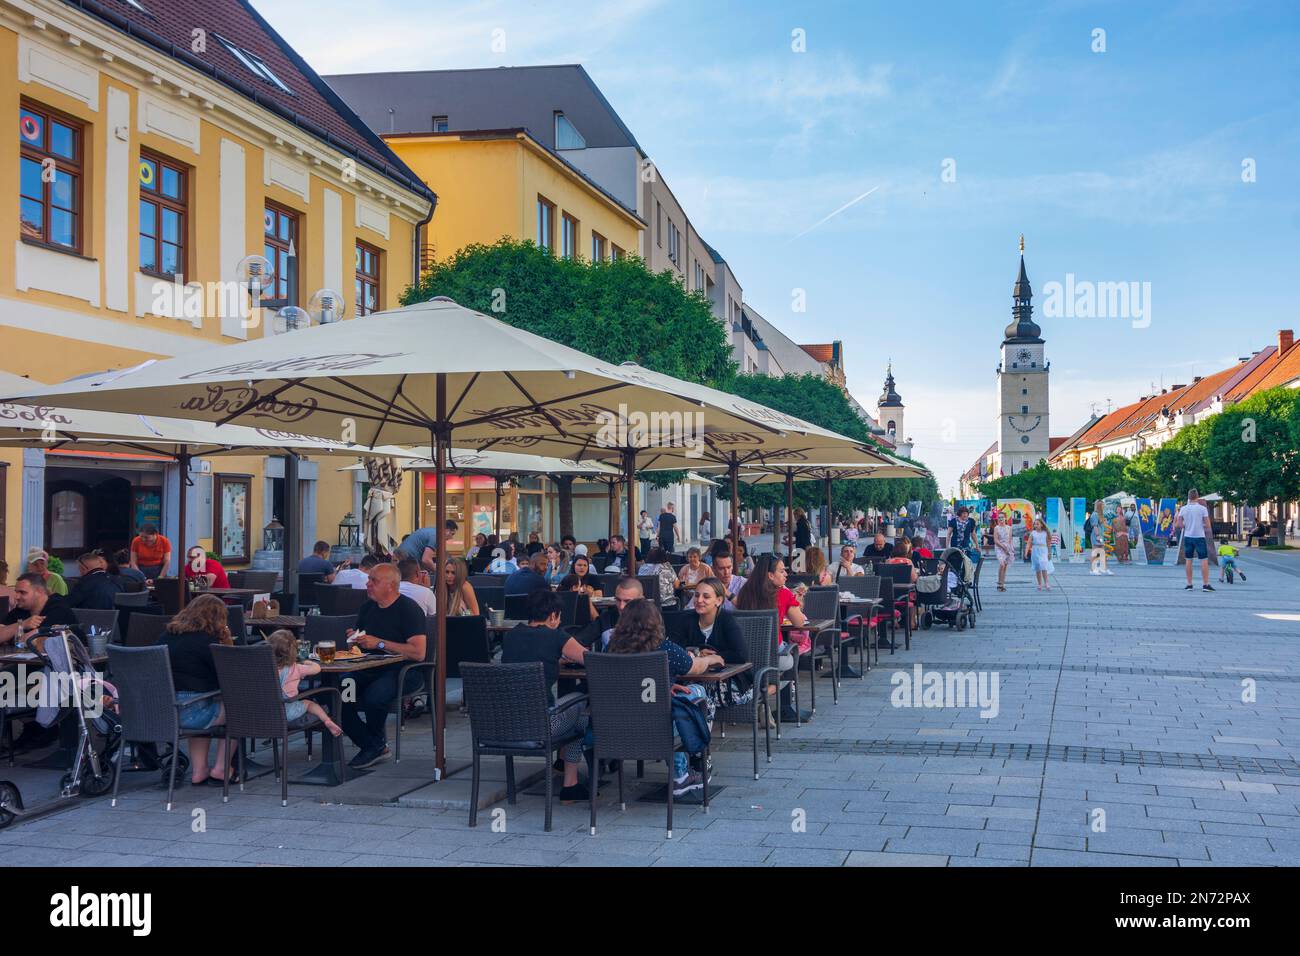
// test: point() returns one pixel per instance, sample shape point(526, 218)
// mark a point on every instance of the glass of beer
point(325, 650)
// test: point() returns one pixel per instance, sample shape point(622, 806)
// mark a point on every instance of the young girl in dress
point(285, 647)
point(1040, 554)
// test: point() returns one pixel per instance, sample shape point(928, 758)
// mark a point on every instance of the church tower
point(889, 413)
point(1022, 384)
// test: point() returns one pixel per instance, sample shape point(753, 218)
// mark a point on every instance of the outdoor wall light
point(256, 272)
point(327, 306)
point(291, 317)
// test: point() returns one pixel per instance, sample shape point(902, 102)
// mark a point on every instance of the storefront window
point(67, 520)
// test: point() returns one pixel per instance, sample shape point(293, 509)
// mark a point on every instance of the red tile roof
point(312, 105)
point(822, 353)
point(1280, 371)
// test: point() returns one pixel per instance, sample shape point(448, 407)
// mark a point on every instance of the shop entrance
point(89, 506)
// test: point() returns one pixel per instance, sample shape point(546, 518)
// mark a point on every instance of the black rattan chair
point(320, 627)
point(488, 580)
point(251, 691)
point(145, 629)
point(760, 632)
point(901, 574)
point(338, 599)
point(261, 581)
point(428, 665)
point(863, 586)
point(167, 592)
point(132, 599)
point(509, 716)
point(516, 607)
point(823, 604)
point(147, 708)
point(490, 596)
point(626, 725)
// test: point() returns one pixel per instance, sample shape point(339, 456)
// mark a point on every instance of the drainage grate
point(1057, 752)
point(1262, 674)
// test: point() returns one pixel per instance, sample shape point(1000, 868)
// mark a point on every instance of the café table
point(331, 770)
point(573, 671)
point(288, 622)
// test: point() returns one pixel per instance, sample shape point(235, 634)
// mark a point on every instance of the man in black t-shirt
point(879, 548)
point(37, 610)
point(388, 623)
point(668, 533)
point(542, 640)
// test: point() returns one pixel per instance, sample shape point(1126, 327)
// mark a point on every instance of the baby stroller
point(957, 577)
point(78, 693)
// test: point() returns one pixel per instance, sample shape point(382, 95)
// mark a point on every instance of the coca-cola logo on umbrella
point(42, 414)
point(336, 362)
point(220, 400)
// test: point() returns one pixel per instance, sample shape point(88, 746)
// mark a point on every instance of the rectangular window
point(659, 224)
point(569, 238)
point(598, 246)
point(440, 124)
point(545, 223)
point(253, 63)
point(674, 250)
point(280, 243)
point(1024, 409)
point(50, 185)
point(164, 215)
point(367, 279)
point(615, 253)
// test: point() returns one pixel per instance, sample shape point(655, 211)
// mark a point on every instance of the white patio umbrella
point(434, 371)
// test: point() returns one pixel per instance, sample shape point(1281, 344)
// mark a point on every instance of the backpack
point(691, 724)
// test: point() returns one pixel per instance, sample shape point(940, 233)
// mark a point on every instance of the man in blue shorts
point(1194, 521)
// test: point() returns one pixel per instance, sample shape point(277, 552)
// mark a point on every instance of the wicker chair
point(250, 689)
point(320, 627)
point(147, 706)
point(509, 716)
point(490, 596)
point(429, 664)
point(167, 592)
point(259, 580)
point(144, 629)
point(99, 620)
point(338, 599)
point(628, 727)
point(863, 586)
point(823, 604)
point(901, 574)
point(307, 581)
point(132, 599)
point(235, 621)
point(488, 580)
point(761, 635)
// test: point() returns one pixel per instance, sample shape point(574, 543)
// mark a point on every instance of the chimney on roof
point(1197, 379)
point(1285, 339)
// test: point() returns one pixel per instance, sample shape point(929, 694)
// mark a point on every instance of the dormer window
point(566, 134)
point(254, 64)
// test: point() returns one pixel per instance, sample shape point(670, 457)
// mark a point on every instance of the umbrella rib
point(537, 406)
point(523, 391)
point(387, 411)
point(460, 398)
point(380, 406)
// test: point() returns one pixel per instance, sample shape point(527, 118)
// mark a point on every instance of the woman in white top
point(1003, 547)
point(1036, 544)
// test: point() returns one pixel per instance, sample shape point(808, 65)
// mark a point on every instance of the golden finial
point(1022, 243)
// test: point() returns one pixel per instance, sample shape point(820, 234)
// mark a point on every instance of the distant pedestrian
point(1094, 529)
point(669, 534)
point(1038, 547)
point(706, 531)
point(1194, 521)
point(1003, 547)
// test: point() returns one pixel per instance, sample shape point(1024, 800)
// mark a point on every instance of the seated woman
point(480, 542)
point(744, 564)
point(557, 565)
point(640, 629)
point(765, 590)
point(903, 555)
point(815, 561)
point(207, 571)
point(585, 581)
point(189, 639)
point(657, 565)
point(693, 571)
point(710, 626)
point(464, 602)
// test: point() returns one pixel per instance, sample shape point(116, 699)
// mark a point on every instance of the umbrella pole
point(183, 459)
point(440, 441)
point(828, 519)
point(733, 472)
point(611, 512)
point(789, 517)
point(629, 470)
point(496, 515)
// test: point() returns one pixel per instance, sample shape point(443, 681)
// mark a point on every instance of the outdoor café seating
point(761, 634)
point(251, 693)
point(510, 717)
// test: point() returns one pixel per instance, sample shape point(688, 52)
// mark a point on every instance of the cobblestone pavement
point(1136, 724)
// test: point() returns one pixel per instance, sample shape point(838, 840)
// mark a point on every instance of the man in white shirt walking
point(1194, 521)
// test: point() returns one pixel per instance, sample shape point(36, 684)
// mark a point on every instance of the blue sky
point(1118, 166)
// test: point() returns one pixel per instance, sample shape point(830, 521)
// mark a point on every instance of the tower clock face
point(1024, 355)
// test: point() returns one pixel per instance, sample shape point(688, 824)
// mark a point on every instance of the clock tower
point(1022, 384)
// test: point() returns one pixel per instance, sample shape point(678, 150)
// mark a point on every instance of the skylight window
point(254, 64)
point(136, 6)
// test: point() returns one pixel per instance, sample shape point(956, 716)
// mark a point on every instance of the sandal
point(218, 781)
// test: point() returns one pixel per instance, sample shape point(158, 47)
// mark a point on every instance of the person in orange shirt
point(151, 553)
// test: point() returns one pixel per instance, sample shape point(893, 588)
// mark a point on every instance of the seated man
point(878, 548)
point(208, 571)
point(38, 562)
point(356, 577)
point(529, 578)
point(94, 590)
point(411, 586)
point(37, 610)
point(393, 624)
point(628, 590)
point(542, 640)
point(318, 562)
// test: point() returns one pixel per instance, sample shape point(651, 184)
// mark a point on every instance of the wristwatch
point(380, 645)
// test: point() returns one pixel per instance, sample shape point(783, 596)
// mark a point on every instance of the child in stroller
point(949, 599)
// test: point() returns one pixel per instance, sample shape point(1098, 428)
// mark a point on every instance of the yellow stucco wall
point(488, 189)
point(42, 333)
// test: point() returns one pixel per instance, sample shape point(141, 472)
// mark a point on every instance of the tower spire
point(1022, 327)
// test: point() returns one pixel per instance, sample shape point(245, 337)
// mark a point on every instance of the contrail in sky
point(826, 219)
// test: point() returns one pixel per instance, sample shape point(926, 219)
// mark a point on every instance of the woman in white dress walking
point(1003, 547)
point(1039, 549)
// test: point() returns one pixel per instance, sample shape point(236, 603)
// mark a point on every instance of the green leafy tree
point(617, 311)
point(1251, 450)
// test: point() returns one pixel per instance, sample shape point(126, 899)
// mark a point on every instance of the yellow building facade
point(134, 166)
